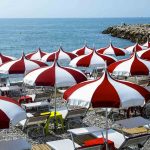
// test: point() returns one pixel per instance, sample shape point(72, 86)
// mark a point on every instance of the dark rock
point(134, 33)
point(107, 31)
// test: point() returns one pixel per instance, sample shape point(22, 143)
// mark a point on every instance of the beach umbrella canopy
point(10, 111)
point(54, 75)
point(4, 58)
point(59, 55)
point(134, 47)
point(147, 44)
point(37, 55)
point(20, 66)
point(131, 66)
point(92, 59)
point(145, 54)
point(106, 92)
point(112, 50)
point(82, 51)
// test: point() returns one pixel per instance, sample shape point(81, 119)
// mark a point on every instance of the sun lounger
point(67, 144)
point(62, 144)
point(71, 114)
point(16, 144)
point(133, 122)
point(113, 135)
point(37, 106)
point(80, 135)
point(136, 130)
point(119, 138)
point(77, 143)
point(84, 130)
point(75, 114)
point(135, 142)
point(32, 123)
point(3, 81)
point(40, 147)
point(85, 138)
point(22, 122)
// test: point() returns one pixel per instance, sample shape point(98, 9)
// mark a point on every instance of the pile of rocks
point(135, 33)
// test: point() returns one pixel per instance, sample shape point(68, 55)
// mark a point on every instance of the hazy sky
point(73, 8)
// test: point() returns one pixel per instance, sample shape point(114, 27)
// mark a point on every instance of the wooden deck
point(40, 147)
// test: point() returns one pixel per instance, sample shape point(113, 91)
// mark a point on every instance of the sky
point(74, 8)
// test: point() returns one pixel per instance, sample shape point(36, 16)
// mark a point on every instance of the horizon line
point(69, 17)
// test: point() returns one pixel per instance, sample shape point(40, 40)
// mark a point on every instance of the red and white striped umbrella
point(106, 92)
point(4, 58)
point(112, 50)
point(147, 44)
point(136, 47)
point(54, 75)
point(20, 66)
point(37, 55)
point(10, 111)
point(59, 55)
point(82, 51)
point(92, 59)
point(131, 66)
point(145, 54)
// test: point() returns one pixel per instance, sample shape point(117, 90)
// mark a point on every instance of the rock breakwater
point(135, 33)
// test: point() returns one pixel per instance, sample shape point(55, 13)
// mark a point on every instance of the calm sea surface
point(17, 35)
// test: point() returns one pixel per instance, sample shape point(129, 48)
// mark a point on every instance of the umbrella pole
point(55, 107)
point(106, 129)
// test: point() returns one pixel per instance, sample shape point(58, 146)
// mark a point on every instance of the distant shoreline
point(135, 33)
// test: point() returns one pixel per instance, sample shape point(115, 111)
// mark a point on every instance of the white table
point(35, 105)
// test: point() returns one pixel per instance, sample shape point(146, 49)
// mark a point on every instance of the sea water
point(25, 35)
point(18, 35)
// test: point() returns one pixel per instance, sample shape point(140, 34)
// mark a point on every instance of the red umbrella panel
point(59, 55)
point(4, 58)
point(92, 59)
point(82, 51)
point(20, 66)
point(54, 75)
point(10, 111)
point(37, 55)
point(132, 66)
point(136, 47)
point(112, 50)
point(106, 92)
point(145, 54)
